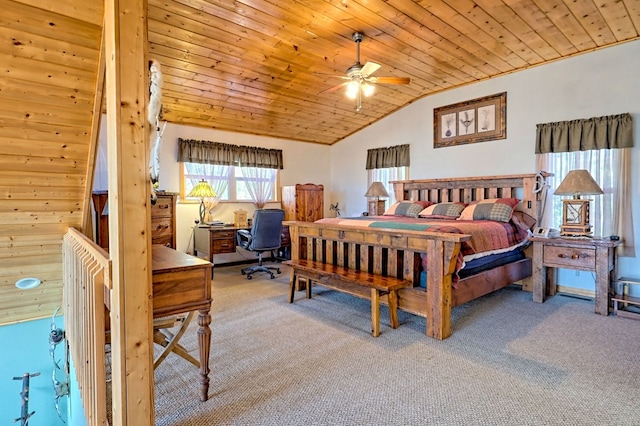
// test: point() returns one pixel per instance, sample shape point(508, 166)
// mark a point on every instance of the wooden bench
point(338, 276)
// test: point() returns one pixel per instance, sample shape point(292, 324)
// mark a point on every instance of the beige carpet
point(314, 362)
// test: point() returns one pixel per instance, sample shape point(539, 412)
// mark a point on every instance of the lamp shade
point(376, 189)
point(202, 190)
point(577, 183)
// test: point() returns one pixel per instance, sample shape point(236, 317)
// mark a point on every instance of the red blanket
point(487, 236)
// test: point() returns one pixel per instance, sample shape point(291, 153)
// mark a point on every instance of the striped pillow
point(442, 211)
point(498, 209)
point(406, 208)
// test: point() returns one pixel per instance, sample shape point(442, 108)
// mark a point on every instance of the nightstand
point(596, 255)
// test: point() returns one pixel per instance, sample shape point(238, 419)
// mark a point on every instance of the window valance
point(393, 156)
point(205, 152)
point(613, 131)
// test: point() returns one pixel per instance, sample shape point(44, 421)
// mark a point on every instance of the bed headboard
point(471, 189)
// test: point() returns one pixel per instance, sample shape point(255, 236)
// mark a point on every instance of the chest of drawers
point(163, 219)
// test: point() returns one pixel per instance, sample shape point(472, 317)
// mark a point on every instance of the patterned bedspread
point(487, 236)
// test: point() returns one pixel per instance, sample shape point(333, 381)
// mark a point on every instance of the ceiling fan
point(360, 81)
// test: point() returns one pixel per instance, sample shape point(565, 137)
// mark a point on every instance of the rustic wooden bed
point(381, 255)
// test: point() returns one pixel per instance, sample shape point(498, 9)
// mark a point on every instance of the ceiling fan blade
point(344, 77)
point(390, 80)
point(369, 68)
point(334, 88)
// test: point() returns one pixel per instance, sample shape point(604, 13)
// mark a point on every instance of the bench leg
point(292, 284)
point(308, 288)
point(375, 312)
point(393, 308)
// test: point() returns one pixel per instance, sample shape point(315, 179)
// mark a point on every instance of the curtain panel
point(205, 152)
point(609, 132)
point(393, 156)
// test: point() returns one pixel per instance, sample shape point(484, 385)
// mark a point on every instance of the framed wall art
point(477, 120)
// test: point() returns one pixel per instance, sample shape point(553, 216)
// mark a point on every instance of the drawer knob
point(573, 256)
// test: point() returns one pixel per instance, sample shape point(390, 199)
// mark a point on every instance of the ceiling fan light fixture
point(359, 81)
point(367, 89)
point(352, 89)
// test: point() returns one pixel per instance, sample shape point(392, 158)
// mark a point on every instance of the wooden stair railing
point(86, 278)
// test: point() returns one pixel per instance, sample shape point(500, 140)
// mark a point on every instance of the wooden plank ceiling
point(262, 67)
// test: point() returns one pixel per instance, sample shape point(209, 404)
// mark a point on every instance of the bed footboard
point(390, 253)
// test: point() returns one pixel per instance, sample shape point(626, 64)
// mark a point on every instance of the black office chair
point(265, 236)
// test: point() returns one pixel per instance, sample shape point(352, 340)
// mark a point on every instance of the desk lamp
point(575, 211)
point(202, 190)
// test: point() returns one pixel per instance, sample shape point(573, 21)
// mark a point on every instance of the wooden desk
point(212, 240)
point(182, 283)
point(596, 255)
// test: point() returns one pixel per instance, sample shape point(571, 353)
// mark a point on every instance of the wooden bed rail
point(86, 274)
point(386, 252)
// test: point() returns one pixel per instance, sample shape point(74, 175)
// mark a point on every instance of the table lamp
point(202, 190)
point(377, 206)
point(575, 211)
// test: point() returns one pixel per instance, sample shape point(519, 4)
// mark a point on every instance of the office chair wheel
point(249, 277)
point(272, 276)
point(243, 272)
point(278, 270)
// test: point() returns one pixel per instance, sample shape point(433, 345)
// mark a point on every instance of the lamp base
point(575, 230)
point(202, 212)
point(377, 207)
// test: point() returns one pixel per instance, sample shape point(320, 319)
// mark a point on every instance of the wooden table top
point(165, 259)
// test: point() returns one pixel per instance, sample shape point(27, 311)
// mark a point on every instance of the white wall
point(601, 83)
point(303, 163)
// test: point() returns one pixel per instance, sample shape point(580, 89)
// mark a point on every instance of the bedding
point(407, 208)
point(488, 237)
point(443, 211)
point(499, 209)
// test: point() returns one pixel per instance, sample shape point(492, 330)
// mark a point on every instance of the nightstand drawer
point(224, 246)
point(570, 257)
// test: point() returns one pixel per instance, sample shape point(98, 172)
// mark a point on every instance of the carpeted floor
point(509, 361)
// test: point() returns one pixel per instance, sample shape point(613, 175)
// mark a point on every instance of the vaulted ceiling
point(265, 67)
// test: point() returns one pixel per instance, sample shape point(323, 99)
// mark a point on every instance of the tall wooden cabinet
point(304, 202)
point(163, 219)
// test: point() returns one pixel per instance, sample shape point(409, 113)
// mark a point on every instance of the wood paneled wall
point(48, 55)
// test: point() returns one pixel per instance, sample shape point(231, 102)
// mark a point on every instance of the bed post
point(441, 262)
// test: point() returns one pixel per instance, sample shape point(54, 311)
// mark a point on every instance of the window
point(387, 164)
point(236, 173)
point(233, 183)
point(602, 146)
point(601, 164)
point(385, 176)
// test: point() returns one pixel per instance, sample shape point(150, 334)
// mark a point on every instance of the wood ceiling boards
point(262, 67)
